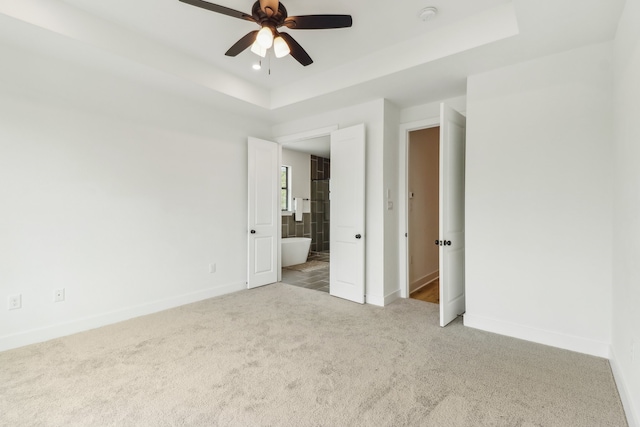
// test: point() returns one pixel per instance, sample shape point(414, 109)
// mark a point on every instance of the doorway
point(309, 218)
point(423, 180)
point(450, 240)
point(308, 163)
point(347, 212)
point(347, 232)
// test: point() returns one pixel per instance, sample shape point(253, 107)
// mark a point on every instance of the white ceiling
point(207, 35)
point(388, 53)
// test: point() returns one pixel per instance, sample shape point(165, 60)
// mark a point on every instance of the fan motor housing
point(277, 19)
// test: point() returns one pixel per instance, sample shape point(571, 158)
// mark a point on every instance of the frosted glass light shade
point(258, 50)
point(265, 37)
point(280, 47)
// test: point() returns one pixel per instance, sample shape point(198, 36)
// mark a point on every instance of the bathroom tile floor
point(317, 280)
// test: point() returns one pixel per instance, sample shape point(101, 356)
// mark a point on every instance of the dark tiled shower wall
point(320, 174)
point(293, 228)
point(320, 168)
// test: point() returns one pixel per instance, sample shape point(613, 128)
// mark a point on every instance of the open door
point(347, 214)
point(264, 212)
point(451, 241)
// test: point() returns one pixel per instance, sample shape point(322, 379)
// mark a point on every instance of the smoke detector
point(428, 13)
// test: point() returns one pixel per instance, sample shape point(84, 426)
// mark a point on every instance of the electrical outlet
point(58, 295)
point(212, 268)
point(15, 302)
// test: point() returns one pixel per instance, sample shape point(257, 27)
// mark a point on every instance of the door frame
point(403, 199)
point(310, 134)
point(293, 138)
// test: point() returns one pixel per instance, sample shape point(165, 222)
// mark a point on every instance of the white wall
point(300, 164)
point(625, 358)
point(389, 203)
point(538, 200)
point(123, 207)
point(372, 115)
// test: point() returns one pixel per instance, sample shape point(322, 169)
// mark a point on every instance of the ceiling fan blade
point(242, 44)
point(318, 22)
point(298, 53)
point(220, 9)
point(270, 7)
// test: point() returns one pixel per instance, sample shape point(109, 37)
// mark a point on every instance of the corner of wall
point(381, 301)
point(631, 408)
point(540, 336)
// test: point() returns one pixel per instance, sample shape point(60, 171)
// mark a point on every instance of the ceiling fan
point(271, 15)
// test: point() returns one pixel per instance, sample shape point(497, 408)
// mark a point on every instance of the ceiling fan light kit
point(258, 49)
point(265, 37)
point(280, 47)
point(271, 15)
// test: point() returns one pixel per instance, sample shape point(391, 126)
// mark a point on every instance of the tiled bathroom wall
point(320, 175)
point(320, 168)
point(293, 228)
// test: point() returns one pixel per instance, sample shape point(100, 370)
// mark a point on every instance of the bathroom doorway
point(308, 216)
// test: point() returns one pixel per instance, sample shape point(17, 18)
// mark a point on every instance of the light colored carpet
point(308, 266)
point(287, 356)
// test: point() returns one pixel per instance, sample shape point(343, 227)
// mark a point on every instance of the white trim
point(279, 232)
point(33, 336)
point(310, 134)
point(631, 410)
point(382, 301)
point(540, 336)
point(424, 281)
point(374, 300)
point(403, 200)
point(392, 297)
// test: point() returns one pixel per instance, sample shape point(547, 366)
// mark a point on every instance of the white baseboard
point(540, 336)
point(382, 301)
point(375, 300)
point(424, 281)
point(631, 408)
point(392, 297)
point(33, 336)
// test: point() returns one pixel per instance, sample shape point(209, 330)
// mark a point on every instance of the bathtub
point(295, 250)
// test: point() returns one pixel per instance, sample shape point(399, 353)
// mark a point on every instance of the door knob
point(358, 236)
point(253, 231)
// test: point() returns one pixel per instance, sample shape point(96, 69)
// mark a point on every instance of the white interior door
point(264, 212)
point(347, 214)
point(451, 241)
